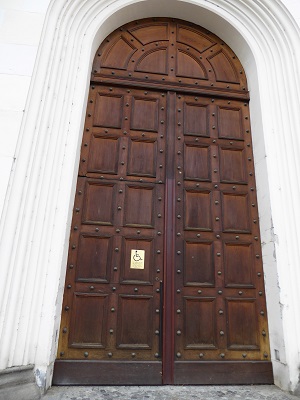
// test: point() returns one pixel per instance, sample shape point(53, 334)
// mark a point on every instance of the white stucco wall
point(39, 267)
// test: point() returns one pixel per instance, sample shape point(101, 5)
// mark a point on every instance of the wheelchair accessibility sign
point(137, 259)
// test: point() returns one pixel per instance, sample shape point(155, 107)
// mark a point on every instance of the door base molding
point(93, 372)
point(223, 372)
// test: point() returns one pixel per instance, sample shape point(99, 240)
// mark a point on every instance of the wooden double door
point(164, 279)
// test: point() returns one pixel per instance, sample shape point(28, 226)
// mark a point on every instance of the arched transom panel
point(169, 51)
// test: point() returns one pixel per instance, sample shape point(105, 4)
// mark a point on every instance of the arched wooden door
point(164, 279)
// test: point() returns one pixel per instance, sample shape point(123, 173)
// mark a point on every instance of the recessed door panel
point(199, 264)
point(235, 212)
point(139, 206)
point(200, 323)
point(104, 154)
point(198, 213)
point(142, 158)
point(89, 320)
point(98, 200)
point(108, 111)
point(94, 258)
point(197, 162)
point(134, 322)
point(238, 264)
point(144, 114)
point(242, 324)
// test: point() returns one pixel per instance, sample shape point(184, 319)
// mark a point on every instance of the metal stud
point(222, 355)
point(156, 332)
point(86, 354)
point(65, 330)
point(264, 333)
point(112, 309)
point(116, 249)
point(178, 333)
point(178, 355)
point(156, 355)
point(69, 287)
point(240, 292)
point(201, 355)
point(199, 291)
point(237, 237)
point(62, 353)
point(244, 355)
point(221, 312)
point(260, 293)
point(111, 331)
point(133, 355)
point(158, 252)
point(157, 311)
point(217, 219)
point(262, 313)
point(110, 355)
point(220, 292)
point(178, 290)
point(178, 252)
point(222, 333)
point(178, 311)
point(67, 308)
point(219, 273)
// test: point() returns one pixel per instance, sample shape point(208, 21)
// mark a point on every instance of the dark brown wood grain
point(166, 167)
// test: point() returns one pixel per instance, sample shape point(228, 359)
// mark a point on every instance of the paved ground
point(262, 392)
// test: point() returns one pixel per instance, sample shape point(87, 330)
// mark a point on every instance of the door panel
point(219, 310)
point(112, 310)
point(164, 279)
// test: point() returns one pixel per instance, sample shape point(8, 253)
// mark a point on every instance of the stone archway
point(250, 31)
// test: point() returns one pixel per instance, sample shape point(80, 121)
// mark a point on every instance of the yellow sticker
point(137, 259)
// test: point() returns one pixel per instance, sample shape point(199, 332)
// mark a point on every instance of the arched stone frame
point(35, 239)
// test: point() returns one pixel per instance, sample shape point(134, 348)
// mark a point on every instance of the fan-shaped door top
point(169, 52)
